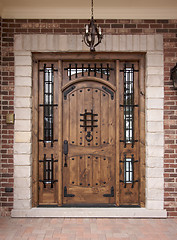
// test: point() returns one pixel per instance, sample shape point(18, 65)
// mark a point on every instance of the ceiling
point(166, 9)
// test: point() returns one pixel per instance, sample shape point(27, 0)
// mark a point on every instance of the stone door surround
point(152, 45)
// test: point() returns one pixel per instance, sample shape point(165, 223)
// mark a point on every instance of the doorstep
point(90, 212)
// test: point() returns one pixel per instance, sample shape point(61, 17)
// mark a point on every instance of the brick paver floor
point(87, 228)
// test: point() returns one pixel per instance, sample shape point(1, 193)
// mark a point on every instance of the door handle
point(65, 151)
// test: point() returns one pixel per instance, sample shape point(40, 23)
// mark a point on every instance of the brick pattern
point(168, 28)
point(87, 228)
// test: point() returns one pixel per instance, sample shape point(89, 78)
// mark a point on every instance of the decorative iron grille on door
point(48, 133)
point(129, 134)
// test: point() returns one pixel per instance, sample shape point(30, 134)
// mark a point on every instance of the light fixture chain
point(92, 8)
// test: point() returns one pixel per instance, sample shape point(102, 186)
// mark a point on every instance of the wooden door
point(88, 144)
point(88, 130)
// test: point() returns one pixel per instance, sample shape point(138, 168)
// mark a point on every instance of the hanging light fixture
point(93, 35)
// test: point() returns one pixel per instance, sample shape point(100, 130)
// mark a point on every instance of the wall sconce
point(93, 35)
point(173, 76)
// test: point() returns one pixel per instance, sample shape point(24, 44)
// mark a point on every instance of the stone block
point(142, 43)
point(27, 41)
point(22, 148)
point(150, 42)
point(23, 81)
point(155, 103)
point(22, 182)
point(136, 43)
point(63, 43)
point(18, 42)
point(79, 42)
point(42, 42)
point(155, 80)
point(22, 171)
point(155, 92)
point(23, 71)
point(22, 160)
point(154, 139)
point(23, 60)
point(155, 151)
point(22, 113)
point(23, 102)
point(116, 43)
point(22, 137)
point(72, 43)
point(22, 53)
point(109, 43)
point(154, 162)
point(50, 42)
point(129, 43)
point(155, 183)
point(154, 70)
point(154, 126)
point(154, 205)
point(22, 193)
point(23, 125)
point(154, 60)
point(154, 172)
point(102, 46)
point(22, 204)
point(23, 91)
point(154, 115)
point(155, 194)
point(123, 42)
point(158, 42)
point(34, 43)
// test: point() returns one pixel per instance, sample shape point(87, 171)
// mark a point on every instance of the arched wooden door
point(88, 144)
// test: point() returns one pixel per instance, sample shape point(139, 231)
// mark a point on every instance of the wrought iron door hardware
point(66, 194)
point(128, 170)
point(68, 91)
point(128, 105)
point(85, 120)
point(48, 166)
point(48, 105)
point(126, 141)
point(89, 136)
point(131, 70)
point(50, 141)
point(99, 71)
point(108, 91)
point(46, 68)
point(111, 194)
point(65, 151)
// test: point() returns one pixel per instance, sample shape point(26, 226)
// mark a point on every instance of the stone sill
point(90, 213)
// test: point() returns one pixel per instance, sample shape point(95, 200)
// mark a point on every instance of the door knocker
point(88, 123)
point(89, 137)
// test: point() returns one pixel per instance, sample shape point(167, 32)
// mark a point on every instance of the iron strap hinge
point(66, 194)
point(68, 91)
point(110, 194)
point(108, 91)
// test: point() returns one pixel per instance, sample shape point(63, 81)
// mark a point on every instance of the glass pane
point(48, 104)
point(128, 170)
point(128, 104)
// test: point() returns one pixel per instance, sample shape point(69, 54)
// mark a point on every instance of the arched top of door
point(92, 79)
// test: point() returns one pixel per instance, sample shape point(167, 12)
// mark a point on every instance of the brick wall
point(166, 27)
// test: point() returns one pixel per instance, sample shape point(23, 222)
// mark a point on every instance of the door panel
point(97, 108)
point(89, 128)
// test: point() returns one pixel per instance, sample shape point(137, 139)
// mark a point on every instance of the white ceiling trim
point(83, 13)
